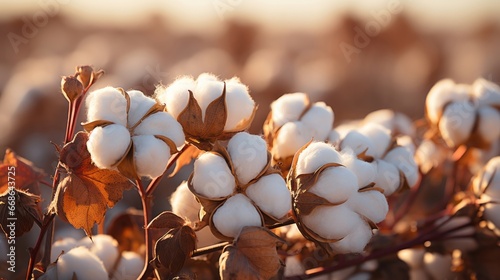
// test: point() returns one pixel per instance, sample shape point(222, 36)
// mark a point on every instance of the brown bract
point(20, 209)
point(83, 197)
point(252, 255)
point(25, 176)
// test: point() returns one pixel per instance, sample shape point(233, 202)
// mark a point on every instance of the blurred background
point(357, 56)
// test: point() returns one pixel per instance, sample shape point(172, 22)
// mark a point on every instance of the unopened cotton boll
point(320, 119)
point(335, 184)
point(82, 263)
point(139, 106)
point(291, 137)
point(237, 212)
point(162, 124)
point(288, 108)
point(129, 267)
point(239, 104)
point(151, 155)
point(489, 123)
point(176, 95)
point(404, 161)
point(486, 93)
point(363, 170)
point(316, 155)
point(107, 145)
point(439, 266)
point(379, 136)
point(60, 246)
point(107, 104)
point(457, 122)
point(271, 195)
point(332, 222)
point(248, 154)
point(355, 241)
point(370, 204)
point(212, 177)
point(387, 176)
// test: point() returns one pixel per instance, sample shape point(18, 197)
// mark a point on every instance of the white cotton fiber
point(441, 93)
point(107, 145)
point(288, 108)
point(332, 222)
point(334, 138)
point(129, 267)
point(59, 246)
point(486, 93)
point(316, 155)
point(139, 106)
point(212, 177)
point(249, 155)
point(237, 212)
point(358, 142)
point(293, 266)
point(107, 104)
point(335, 184)
point(492, 168)
point(208, 88)
point(392, 121)
point(291, 137)
point(151, 155)
point(320, 119)
point(413, 257)
point(370, 204)
point(105, 248)
point(406, 142)
point(456, 123)
point(387, 176)
point(176, 95)
point(439, 266)
point(239, 104)
point(363, 170)
point(82, 263)
point(354, 242)
point(271, 195)
point(162, 123)
point(404, 161)
point(492, 213)
point(184, 203)
point(489, 124)
point(379, 136)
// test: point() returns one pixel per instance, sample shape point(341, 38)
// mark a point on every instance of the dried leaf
point(126, 228)
point(83, 197)
point(18, 211)
point(191, 118)
point(187, 156)
point(253, 255)
point(307, 202)
point(24, 173)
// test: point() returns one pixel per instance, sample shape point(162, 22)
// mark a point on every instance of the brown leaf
point(307, 202)
point(164, 222)
point(126, 228)
point(253, 255)
point(24, 173)
point(185, 158)
point(83, 197)
point(18, 211)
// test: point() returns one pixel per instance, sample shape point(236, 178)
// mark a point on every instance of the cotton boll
point(291, 137)
point(492, 214)
point(392, 121)
point(176, 95)
point(489, 124)
point(486, 92)
point(107, 145)
point(208, 88)
point(184, 203)
point(237, 212)
point(355, 241)
point(440, 94)
point(288, 108)
point(249, 155)
point(163, 124)
point(379, 136)
point(239, 104)
point(370, 204)
point(491, 174)
point(413, 257)
point(363, 170)
point(316, 155)
point(129, 267)
point(334, 138)
point(271, 195)
point(404, 161)
point(151, 155)
point(139, 106)
point(82, 263)
point(439, 266)
point(357, 142)
point(320, 118)
point(406, 142)
point(457, 122)
point(335, 184)
point(107, 104)
point(429, 155)
point(387, 176)
point(332, 222)
point(105, 248)
point(212, 177)
point(60, 246)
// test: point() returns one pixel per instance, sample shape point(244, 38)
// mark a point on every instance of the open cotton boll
point(129, 267)
point(492, 214)
point(208, 88)
point(335, 184)
point(413, 257)
point(271, 195)
point(332, 222)
point(60, 246)
point(320, 118)
point(491, 174)
point(212, 177)
point(288, 108)
point(355, 241)
point(392, 121)
point(236, 213)
point(184, 203)
point(151, 155)
point(457, 122)
point(105, 248)
point(163, 124)
point(107, 104)
point(249, 155)
point(239, 104)
point(107, 145)
point(489, 123)
point(82, 263)
point(316, 155)
point(334, 138)
point(404, 161)
point(387, 176)
point(379, 136)
point(291, 137)
point(358, 142)
point(176, 95)
point(439, 266)
point(440, 94)
point(370, 204)
point(139, 106)
point(363, 170)
point(406, 142)
point(486, 92)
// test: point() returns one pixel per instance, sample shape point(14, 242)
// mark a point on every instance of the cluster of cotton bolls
point(121, 122)
point(426, 265)
point(94, 259)
point(486, 187)
point(345, 222)
point(394, 163)
point(465, 114)
point(242, 184)
point(294, 121)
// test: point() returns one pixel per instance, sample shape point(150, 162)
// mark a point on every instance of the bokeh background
point(275, 47)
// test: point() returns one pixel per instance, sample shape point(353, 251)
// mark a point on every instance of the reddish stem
point(34, 252)
point(146, 207)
